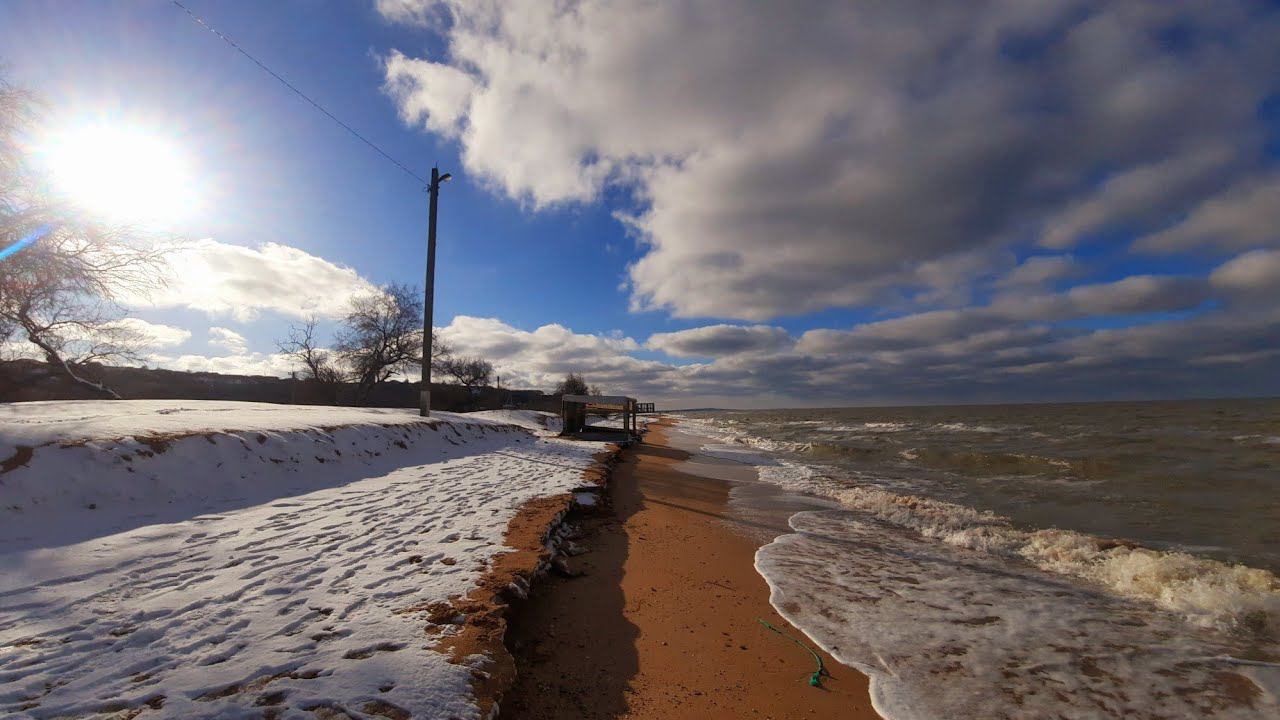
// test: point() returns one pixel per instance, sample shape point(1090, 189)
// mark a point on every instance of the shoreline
point(663, 621)
point(483, 614)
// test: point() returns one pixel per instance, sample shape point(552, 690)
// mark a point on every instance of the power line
point(298, 92)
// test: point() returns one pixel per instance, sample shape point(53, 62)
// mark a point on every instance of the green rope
point(815, 680)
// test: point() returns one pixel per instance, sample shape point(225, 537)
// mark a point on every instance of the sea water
point(1075, 561)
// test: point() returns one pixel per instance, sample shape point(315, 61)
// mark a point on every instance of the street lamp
point(424, 399)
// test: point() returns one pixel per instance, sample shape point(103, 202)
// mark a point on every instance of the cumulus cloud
point(542, 357)
point(1136, 294)
point(718, 340)
point(790, 157)
point(1139, 193)
point(1041, 270)
point(1252, 276)
point(228, 339)
point(428, 93)
point(1244, 216)
point(237, 360)
point(896, 333)
point(155, 335)
point(238, 363)
point(951, 355)
point(231, 280)
point(411, 12)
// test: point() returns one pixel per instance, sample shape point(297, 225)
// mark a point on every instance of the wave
point(958, 612)
point(967, 462)
point(944, 631)
point(963, 427)
point(1257, 439)
point(1208, 593)
point(873, 427)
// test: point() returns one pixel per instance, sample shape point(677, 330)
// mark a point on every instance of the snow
point(615, 421)
point(529, 419)
point(275, 561)
point(39, 423)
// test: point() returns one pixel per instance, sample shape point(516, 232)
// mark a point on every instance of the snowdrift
point(76, 470)
point(205, 559)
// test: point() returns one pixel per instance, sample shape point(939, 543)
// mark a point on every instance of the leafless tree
point(573, 384)
point(441, 355)
point(317, 363)
point(59, 292)
point(17, 110)
point(469, 372)
point(381, 336)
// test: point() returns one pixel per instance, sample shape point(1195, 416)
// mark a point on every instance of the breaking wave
point(1206, 592)
point(1209, 593)
point(959, 611)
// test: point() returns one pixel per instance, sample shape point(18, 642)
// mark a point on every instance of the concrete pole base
point(424, 403)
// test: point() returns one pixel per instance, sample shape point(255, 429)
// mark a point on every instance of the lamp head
point(445, 177)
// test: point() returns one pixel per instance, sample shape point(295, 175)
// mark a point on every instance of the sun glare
point(122, 174)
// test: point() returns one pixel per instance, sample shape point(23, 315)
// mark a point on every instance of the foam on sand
point(947, 631)
point(958, 612)
point(1205, 592)
point(1208, 593)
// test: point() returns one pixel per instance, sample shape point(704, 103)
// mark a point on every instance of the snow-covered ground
point(206, 559)
point(615, 421)
point(529, 419)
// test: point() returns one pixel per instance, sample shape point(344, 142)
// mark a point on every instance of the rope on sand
point(815, 680)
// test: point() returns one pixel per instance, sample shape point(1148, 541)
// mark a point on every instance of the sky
point(715, 202)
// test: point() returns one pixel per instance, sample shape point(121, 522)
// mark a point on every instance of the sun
point(121, 173)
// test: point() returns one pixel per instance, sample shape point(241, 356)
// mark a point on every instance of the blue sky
point(282, 172)
point(762, 206)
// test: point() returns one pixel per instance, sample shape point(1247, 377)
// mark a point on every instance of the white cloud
point(412, 12)
point(907, 331)
point(228, 339)
point(1128, 296)
point(970, 354)
point(790, 157)
point(231, 280)
point(245, 363)
point(542, 357)
point(1039, 271)
point(142, 334)
point(1244, 216)
point(719, 340)
point(428, 93)
point(151, 334)
point(1141, 192)
point(1252, 276)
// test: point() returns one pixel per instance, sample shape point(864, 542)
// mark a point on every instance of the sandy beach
point(663, 621)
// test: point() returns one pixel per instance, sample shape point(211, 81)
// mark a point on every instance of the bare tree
point(17, 111)
point(381, 336)
point(317, 363)
point(441, 355)
point(573, 384)
point(59, 292)
point(469, 372)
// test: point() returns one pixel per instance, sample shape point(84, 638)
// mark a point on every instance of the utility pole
point(424, 399)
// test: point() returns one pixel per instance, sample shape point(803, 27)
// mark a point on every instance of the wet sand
point(663, 621)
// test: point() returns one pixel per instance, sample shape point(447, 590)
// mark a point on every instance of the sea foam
point(1205, 592)
point(947, 631)
point(956, 611)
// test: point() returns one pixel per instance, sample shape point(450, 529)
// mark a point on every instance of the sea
point(1084, 560)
